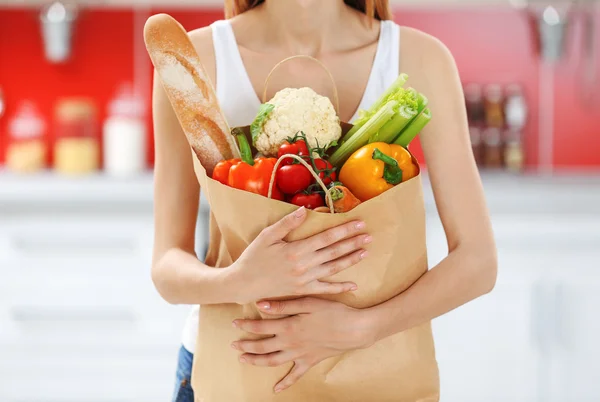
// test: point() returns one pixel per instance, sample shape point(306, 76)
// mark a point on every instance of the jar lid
point(126, 103)
point(27, 123)
point(69, 109)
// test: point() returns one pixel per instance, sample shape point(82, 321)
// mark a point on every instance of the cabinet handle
point(542, 316)
point(72, 244)
point(26, 314)
point(560, 323)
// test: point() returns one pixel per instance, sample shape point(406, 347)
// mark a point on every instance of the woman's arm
point(178, 275)
point(469, 270)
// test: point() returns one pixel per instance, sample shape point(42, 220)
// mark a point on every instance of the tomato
point(295, 148)
point(309, 201)
point(292, 179)
point(326, 171)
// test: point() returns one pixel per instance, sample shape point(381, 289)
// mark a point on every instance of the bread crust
point(189, 90)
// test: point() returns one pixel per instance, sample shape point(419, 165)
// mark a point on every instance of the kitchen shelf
point(505, 193)
point(48, 187)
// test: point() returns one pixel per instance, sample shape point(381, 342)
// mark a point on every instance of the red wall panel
point(102, 59)
point(490, 46)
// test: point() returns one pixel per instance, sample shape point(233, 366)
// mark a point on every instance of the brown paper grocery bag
point(401, 368)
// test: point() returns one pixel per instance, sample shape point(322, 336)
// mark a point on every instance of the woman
point(238, 54)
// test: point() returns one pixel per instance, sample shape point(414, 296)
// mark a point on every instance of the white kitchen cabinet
point(535, 337)
point(575, 328)
point(80, 319)
point(487, 346)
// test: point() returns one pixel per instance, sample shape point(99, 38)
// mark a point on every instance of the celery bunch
point(396, 117)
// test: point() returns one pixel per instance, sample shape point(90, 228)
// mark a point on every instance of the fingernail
point(264, 305)
point(360, 225)
point(278, 389)
point(234, 324)
point(300, 212)
point(364, 255)
point(242, 359)
point(353, 288)
point(368, 239)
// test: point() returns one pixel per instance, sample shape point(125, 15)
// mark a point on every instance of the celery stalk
point(363, 115)
point(396, 85)
point(422, 102)
point(413, 129)
point(361, 138)
point(395, 126)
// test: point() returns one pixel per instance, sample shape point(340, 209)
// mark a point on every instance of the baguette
point(189, 90)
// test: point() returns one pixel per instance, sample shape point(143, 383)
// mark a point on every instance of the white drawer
point(76, 243)
point(80, 375)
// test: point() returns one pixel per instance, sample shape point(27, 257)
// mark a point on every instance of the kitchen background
point(79, 318)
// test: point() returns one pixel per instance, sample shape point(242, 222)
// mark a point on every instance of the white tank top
point(240, 103)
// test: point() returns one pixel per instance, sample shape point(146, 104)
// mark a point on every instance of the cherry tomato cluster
point(295, 180)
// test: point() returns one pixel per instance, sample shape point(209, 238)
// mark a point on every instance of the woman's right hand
point(271, 267)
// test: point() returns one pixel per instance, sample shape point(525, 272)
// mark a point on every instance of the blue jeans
point(183, 385)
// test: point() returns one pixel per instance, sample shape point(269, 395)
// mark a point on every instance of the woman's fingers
point(283, 227)
point(330, 236)
point(340, 249)
point(259, 347)
point(268, 360)
point(265, 327)
point(333, 267)
point(329, 288)
point(293, 376)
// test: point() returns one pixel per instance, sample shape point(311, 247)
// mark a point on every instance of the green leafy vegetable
point(362, 136)
point(256, 127)
point(395, 92)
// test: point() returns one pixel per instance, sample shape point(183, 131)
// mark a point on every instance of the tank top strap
point(386, 65)
point(390, 60)
point(233, 86)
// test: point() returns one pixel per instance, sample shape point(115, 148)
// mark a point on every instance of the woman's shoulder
point(202, 40)
point(423, 54)
point(422, 44)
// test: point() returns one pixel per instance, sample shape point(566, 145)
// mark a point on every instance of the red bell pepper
point(252, 175)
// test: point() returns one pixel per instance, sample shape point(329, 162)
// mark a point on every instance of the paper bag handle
point(310, 169)
point(336, 98)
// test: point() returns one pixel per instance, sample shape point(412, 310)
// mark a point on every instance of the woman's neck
point(305, 26)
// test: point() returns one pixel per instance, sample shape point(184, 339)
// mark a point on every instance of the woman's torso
point(239, 100)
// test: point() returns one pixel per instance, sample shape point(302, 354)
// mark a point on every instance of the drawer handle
point(74, 245)
point(25, 314)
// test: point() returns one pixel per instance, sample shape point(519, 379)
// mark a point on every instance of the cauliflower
point(293, 110)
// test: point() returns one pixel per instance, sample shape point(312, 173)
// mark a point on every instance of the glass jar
point(26, 151)
point(124, 135)
point(77, 143)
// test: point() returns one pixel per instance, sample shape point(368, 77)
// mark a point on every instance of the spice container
point(124, 135)
point(513, 151)
point(474, 104)
point(77, 145)
point(493, 105)
point(493, 154)
point(26, 151)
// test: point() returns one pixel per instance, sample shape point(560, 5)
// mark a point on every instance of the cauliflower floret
point(295, 110)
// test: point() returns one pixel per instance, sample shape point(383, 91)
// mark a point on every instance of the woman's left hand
point(314, 330)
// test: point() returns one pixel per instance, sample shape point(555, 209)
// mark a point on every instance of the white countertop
point(505, 192)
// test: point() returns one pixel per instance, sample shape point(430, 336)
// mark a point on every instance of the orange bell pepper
point(376, 168)
point(252, 175)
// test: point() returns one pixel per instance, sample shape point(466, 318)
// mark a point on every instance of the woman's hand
point(316, 330)
point(271, 267)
